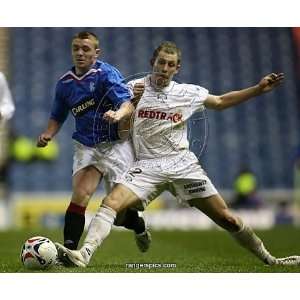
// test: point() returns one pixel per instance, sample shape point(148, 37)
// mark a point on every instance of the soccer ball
point(38, 253)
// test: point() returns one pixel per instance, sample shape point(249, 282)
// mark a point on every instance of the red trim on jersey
point(77, 209)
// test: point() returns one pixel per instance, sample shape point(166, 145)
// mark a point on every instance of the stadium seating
point(262, 134)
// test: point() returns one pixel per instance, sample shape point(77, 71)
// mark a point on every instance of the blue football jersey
point(88, 97)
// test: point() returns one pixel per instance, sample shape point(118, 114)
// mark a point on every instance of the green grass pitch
point(211, 251)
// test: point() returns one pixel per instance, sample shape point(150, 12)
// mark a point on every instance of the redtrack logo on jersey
point(160, 115)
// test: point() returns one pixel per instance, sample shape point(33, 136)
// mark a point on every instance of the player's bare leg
point(216, 209)
point(85, 183)
point(118, 200)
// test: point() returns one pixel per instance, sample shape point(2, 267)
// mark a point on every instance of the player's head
point(165, 63)
point(85, 50)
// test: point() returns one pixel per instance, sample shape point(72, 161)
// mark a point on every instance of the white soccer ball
point(38, 253)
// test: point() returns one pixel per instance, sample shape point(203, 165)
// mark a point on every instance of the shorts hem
point(91, 165)
point(199, 198)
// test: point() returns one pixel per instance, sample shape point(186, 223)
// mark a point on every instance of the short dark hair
point(87, 35)
point(168, 47)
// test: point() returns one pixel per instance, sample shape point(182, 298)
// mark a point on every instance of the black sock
point(74, 225)
point(133, 221)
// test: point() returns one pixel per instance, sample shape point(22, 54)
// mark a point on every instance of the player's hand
point(138, 90)
point(43, 140)
point(111, 116)
point(271, 81)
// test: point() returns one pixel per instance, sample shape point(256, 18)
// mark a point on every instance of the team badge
point(162, 96)
point(92, 87)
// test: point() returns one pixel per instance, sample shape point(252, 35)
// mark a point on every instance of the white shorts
point(181, 175)
point(111, 159)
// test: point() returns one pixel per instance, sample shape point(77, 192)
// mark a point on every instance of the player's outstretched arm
point(52, 129)
point(266, 84)
point(125, 111)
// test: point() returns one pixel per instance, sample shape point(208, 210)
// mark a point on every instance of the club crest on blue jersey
point(92, 87)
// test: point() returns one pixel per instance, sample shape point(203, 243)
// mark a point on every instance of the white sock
point(249, 240)
point(98, 230)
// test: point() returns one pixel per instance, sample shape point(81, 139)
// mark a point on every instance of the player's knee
point(81, 196)
point(113, 202)
point(229, 222)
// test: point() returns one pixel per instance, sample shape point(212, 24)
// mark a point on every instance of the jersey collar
point(94, 69)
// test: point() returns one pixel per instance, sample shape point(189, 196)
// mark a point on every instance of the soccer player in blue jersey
point(94, 92)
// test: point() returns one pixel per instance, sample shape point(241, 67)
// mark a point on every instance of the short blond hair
point(87, 35)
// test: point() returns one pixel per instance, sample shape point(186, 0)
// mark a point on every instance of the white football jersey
point(7, 107)
point(160, 121)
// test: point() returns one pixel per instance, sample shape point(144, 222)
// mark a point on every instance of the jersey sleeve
point(117, 90)
point(132, 83)
point(130, 86)
point(60, 110)
point(198, 97)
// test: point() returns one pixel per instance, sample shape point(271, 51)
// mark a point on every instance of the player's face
point(165, 67)
point(84, 54)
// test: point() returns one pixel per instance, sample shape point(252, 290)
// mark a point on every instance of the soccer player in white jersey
point(7, 107)
point(164, 161)
point(96, 95)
